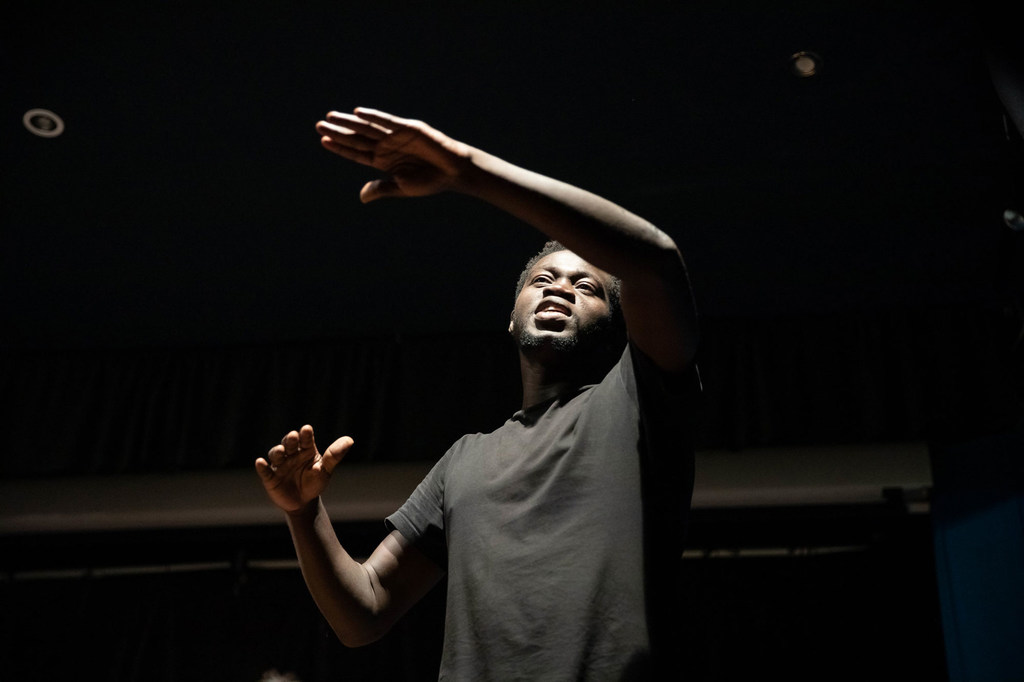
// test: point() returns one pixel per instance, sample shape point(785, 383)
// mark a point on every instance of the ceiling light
point(43, 122)
point(1013, 220)
point(805, 64)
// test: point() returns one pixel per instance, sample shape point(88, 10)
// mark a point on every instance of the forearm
point(598, 230)
point(656, 299)
point(341, 587)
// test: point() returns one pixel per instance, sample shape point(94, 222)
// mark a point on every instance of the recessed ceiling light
point(1013, 220)
point(805, 64)
point(43, 122)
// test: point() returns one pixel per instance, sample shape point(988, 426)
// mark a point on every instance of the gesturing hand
point(418, 159)
point(295, 473)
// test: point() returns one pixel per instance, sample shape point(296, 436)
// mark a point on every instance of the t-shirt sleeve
point(669, 403)
point(678, 391)
point(421, 519)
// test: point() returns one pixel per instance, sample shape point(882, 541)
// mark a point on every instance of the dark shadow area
point(843, 594)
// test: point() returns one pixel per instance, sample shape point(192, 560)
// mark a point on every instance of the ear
point(511, 321)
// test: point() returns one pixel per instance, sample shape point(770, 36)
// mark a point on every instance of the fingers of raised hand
point(384, 120)
point(298, 445)
point(263, 468)
point(275, 456)
point(346, 138)
point(335, 452)
point(378, 189)
point(290, 443)
point(355, 128)
point(306, 440)
point(350, 140)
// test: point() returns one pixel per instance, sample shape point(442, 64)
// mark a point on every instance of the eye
point(586, 286)
point(541, 279)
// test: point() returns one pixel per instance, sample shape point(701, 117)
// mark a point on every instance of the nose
point(561, 287)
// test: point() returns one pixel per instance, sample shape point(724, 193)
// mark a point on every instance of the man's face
point(562, 305)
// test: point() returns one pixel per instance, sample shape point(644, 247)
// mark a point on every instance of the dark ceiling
point(189, 202)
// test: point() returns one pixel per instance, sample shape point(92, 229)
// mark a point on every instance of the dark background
point(188, 201)
point(185, 274)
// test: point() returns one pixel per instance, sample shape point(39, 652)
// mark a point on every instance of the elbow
point(355, 637)
point(358, 627)
point(658, 263)
point(657, 251)
point(363, 627)
point(363, 619)
point(664, 245)
point(351, 642)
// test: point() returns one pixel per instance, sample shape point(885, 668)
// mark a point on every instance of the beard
point(529, 339)
point(597, 343)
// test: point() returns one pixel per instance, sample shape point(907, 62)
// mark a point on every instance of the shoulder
point(638, 375)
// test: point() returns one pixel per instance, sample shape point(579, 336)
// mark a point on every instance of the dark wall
point(188, 202)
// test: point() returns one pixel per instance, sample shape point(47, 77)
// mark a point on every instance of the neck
point(546, 375)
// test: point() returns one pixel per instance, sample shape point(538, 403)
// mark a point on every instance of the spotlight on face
point(805, 64)
point(43, 122)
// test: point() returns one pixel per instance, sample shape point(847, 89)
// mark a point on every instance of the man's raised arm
point(361, 601)
point(418, 160)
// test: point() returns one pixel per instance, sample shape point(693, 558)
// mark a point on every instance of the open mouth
point(550, 310)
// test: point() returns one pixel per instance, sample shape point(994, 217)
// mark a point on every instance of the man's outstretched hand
point(417, 159)
point(294, 473)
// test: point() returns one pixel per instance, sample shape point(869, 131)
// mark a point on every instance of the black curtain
point(853, 378)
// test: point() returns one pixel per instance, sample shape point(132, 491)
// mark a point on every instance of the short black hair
point(614, 286)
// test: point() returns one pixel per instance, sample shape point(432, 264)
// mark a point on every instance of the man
point(560, 533)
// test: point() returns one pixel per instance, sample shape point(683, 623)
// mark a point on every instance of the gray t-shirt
point(541, 528)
